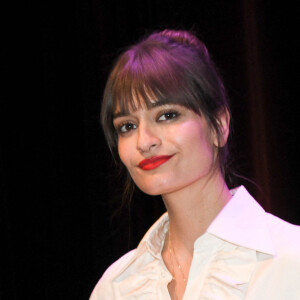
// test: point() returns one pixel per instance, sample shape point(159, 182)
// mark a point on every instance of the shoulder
point(103, 289)
point(118, 265)
point(286, 236)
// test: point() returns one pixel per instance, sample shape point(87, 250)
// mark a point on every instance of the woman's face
point(165, 148)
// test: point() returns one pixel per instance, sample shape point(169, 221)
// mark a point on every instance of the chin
point(150, 190)
point(154, 189)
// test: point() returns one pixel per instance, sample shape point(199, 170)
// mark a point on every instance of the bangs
point(147, 77)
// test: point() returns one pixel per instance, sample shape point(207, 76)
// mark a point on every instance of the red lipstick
point(154, 162)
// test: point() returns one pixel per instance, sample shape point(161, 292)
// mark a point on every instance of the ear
point(224, 123)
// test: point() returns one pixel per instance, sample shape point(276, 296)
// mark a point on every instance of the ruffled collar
point(236, 234)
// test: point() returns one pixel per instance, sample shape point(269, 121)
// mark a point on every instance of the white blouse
point(245, 253)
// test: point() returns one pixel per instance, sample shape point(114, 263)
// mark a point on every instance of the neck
point(192, 209)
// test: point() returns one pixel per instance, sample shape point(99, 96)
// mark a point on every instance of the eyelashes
point(125, 127)
point(167, 116)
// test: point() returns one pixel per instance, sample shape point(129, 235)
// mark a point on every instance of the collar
point(243, 222)
point(154, 239)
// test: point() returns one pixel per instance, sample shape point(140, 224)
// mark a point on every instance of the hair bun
point(185, 38)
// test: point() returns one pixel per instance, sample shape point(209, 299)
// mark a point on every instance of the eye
point(169, 115)
point(125, 127)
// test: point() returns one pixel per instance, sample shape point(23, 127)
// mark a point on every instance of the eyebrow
point(153, 105)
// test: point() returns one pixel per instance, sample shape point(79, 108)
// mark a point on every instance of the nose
point(148, 138)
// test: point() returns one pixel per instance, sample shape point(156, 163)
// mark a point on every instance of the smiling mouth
point(153, 162)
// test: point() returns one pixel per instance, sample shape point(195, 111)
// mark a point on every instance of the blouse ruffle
point(229, 273)
point(143, 282)
point(226, 277)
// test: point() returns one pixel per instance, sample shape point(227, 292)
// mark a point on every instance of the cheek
point(193, 134)
point(196, 142)
point(124, 153)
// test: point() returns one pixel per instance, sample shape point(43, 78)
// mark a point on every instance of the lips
point(154, 162)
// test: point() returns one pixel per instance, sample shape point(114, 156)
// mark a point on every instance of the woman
point(165, 111)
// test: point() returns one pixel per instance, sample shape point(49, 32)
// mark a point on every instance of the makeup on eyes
point(167, 113)
point(168, 116)
point(162, 115)
point(121, 127)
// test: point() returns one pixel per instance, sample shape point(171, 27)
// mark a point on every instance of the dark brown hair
point(172, 67)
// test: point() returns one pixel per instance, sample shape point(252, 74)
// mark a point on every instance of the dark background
point(58, 189)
